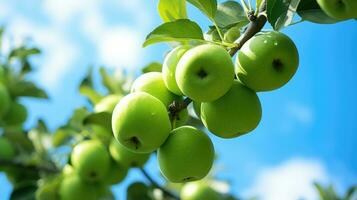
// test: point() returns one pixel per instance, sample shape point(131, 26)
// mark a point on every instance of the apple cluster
point(223, 94)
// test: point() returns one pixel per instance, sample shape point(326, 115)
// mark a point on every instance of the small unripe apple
point(153, 84)
point(140, 122)
point(73, 188)
point(117, 172)
point(138, 191)
point(205, 73)
point(187, 155)
point(232, 34)
point(124, 156)
point(108, 103)
point(237, 112)
point(339, 9)
point(68, 170)
point(16, 115)
point(199, 190)
point(181, 118)
point(4, 100)
point(267, 61)
point(169, 68)
point(7, 150)
point(91, 160)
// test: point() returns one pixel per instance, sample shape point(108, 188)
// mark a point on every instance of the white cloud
point(300, 112)
point(120, 47)
point(290, 180)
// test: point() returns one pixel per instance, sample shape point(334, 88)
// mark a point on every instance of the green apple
point(138, 191)
point(16, 115)
point(140, 122)
point(169, 68)
point(187, 155)
point(108, 103)
point(205, 73)
point(267, 61)
point(116, 173)
point(199, 190)
point(181, 118)
point(7, 150)
point(48, 188)
point(68, 170)
point(124, 156)
point(153, 84)
point(232, 34)
point(339, 9)
point(4, 100)
point(237, 112)
point(73, 188)
point(91, 160)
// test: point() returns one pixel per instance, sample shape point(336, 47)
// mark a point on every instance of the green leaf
point(171, 10)
point(76, 121)
point(152, 67)
point(20, 139)
point(61, 136)
point(112, 83)
point(280, 13)
point(86, 88)
point(23, 52)
point(208, 7)
point(310, 10)
point(22, 88)
point(350, 192)
point(102, 119)
point(230, 13)
point(182, 30)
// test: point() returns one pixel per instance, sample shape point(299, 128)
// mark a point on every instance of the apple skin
point(73, 188)
point(267, 61)
point(197, 108)
point(339, 9)
point(169, 68)
point(140, 122)
point(4, 100)
point(16, 115)
point(187, 155)
point(107, 104)
point(181, 118)
point(205, 73)
point(199, 190)
point(138, 191)
point(232, 34)
point(7, 150)
point(153, 84)
point(237, 112)
point(91, 160)
point(116, 173)
point(124, 156)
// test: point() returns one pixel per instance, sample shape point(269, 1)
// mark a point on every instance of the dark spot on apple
point(187, 179)
point(202, 73)
point(278, 65)
point(134, 141)
point(92, 175)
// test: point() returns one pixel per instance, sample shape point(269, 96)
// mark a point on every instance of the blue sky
point(308, 130)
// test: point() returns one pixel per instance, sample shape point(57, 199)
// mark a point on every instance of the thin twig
point(155, 184)
point(38, 168)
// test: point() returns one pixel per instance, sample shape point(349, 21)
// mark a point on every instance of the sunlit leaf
point(182, 30)
point(171, 10)
point(208, 7)
point(22, 88)
point(152, 67)
point(280, 13)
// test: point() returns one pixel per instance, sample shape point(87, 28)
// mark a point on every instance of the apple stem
point(46, 169)
point(155, 184)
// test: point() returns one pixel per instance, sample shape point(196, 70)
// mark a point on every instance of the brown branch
point(37, 168)
point(155, 184)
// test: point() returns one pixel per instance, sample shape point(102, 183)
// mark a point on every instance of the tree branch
point(37, 168)
point(155, 184)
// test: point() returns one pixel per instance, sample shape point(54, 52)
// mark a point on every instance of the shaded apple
point(237, 112)
point(187, 155)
